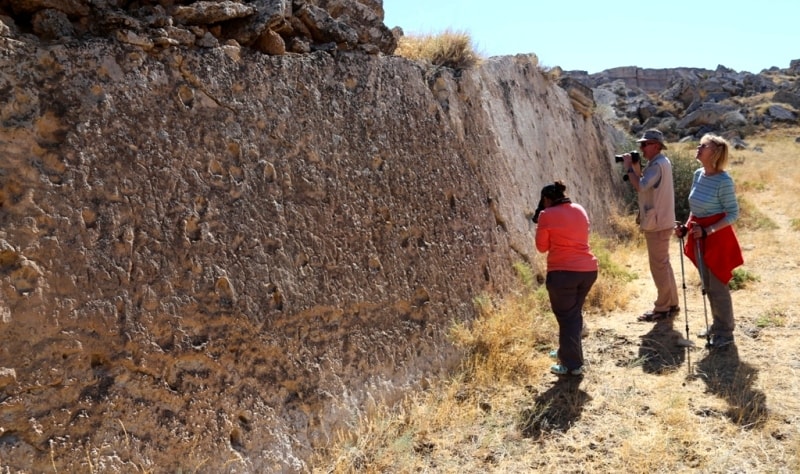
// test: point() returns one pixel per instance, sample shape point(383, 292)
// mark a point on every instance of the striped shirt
point(713, 195)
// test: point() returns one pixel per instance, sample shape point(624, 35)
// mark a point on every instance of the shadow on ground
point(731, 379)
point(556, 409)
point(659, 350)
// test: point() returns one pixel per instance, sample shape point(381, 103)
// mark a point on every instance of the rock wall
point(210, 260)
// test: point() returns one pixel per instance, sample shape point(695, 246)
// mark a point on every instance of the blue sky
point(594, 35)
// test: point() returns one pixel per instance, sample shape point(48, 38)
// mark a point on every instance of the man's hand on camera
point(628, 164)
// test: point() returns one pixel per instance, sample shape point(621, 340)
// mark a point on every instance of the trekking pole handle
point(681, 230)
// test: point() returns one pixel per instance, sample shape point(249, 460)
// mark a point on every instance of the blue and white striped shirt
point(712, 195)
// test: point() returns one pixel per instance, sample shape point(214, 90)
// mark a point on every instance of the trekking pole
point(683, 282)
point(686, 342)
point(698, 253)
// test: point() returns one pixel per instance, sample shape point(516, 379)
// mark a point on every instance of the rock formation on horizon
point(686, 103)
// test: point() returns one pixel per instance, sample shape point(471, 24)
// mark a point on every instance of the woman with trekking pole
point(712, 244)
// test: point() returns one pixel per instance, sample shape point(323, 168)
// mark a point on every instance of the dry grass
point(646, 405)
point(452, 49)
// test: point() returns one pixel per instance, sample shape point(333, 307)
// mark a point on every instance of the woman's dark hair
point(554, 191)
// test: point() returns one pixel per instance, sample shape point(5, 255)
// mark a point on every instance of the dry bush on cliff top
point(645, 405)
point(451, 49)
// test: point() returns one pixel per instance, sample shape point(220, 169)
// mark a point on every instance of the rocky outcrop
point(270, 26)
point(647, 80)
point(685, 103)
point(213, 258)
point(581, 95)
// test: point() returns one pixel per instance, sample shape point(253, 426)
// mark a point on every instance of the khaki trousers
point(661, 269)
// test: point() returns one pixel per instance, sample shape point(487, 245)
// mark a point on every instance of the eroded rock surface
point(212, 258)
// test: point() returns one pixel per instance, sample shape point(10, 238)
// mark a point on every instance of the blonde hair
point(720, 150)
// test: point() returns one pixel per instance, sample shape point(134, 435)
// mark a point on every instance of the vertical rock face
point(212, 259)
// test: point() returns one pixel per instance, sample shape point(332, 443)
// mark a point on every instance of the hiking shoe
point(654, 316)
point(559, 369)
point(673, 310)
point(718, 342)
point(553, 354)
point(704, 333)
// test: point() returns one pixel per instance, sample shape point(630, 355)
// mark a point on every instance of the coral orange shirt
point(563, 232)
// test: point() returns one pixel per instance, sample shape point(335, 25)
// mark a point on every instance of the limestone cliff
point(211, 259)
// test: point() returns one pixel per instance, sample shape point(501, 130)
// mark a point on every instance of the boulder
point(781, 114)
point(51, 24)
point(786, 97)
point(708, 114)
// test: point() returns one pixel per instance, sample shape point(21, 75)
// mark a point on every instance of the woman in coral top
point(563, 232)
point(713, 208)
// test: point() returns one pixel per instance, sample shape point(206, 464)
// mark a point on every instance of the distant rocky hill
point(685, 103)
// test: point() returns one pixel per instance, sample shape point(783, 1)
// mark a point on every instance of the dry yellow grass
point(646, 405)
point(453, 49)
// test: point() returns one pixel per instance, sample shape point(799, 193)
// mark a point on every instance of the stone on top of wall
point(273, 27)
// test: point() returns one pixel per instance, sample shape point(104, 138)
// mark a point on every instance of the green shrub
point(609, 292)
point(683, 168)
point(524, 273)
point(740, 279)
point(607, 267)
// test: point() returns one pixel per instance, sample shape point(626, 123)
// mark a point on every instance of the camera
point(635, 157)
point(539, 209)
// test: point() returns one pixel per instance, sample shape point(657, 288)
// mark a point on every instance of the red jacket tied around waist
point(721, 251)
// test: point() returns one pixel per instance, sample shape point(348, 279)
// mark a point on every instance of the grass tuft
point(751, 218)
point(451, 49)
point(774, 318)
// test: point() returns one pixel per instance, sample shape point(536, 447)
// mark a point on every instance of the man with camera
point(656, 219)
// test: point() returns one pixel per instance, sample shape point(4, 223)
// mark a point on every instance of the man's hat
point(653, 135)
